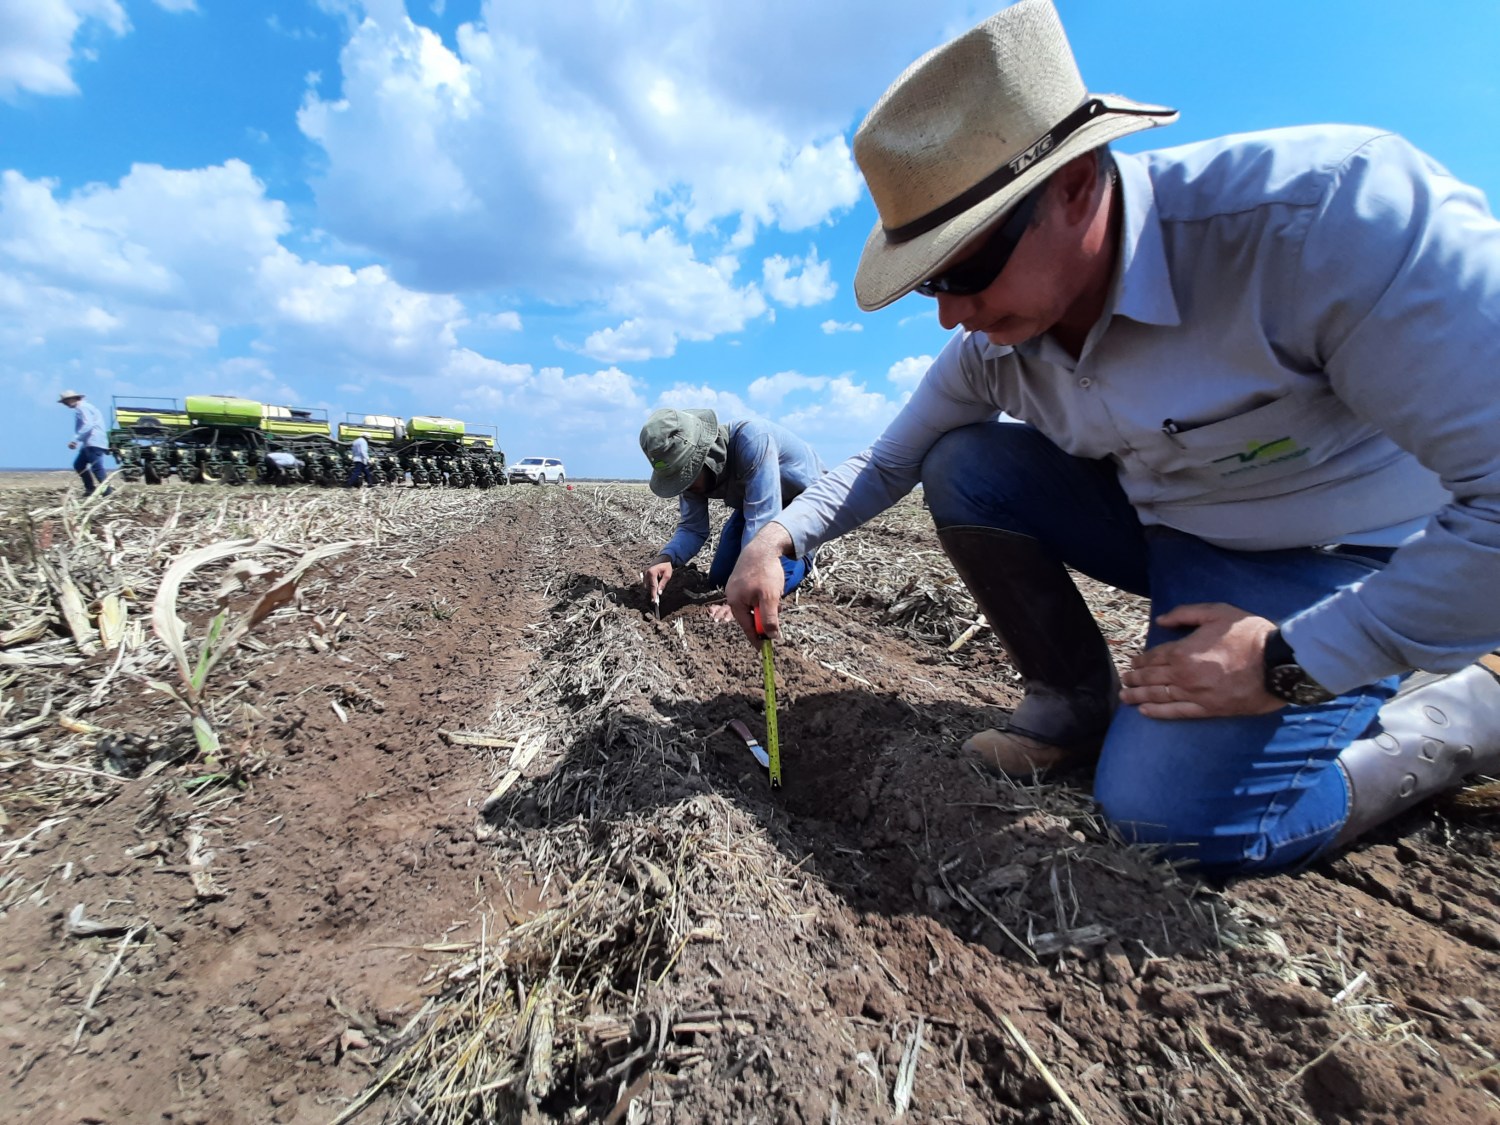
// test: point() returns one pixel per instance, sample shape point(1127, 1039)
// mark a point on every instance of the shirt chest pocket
point(1270, 442)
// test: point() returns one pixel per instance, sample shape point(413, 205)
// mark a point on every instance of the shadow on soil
point(878, 804)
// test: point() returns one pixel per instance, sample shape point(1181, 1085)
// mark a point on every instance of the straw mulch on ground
point(455, 830)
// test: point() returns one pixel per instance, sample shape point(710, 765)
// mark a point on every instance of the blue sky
point(554, 218)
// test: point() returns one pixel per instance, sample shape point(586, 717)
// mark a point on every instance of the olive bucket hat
point(676, 442)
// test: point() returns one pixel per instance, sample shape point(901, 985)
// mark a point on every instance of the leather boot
point(1039, 616)
point(1433, 733)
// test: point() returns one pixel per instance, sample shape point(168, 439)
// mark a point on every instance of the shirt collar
point(1143, 285)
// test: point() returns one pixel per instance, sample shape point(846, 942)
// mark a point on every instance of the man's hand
point(1216, 671)
point(757, 581)
point(656, 576)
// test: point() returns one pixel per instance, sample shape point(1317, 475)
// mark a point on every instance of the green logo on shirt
point(1254, 452)
point(1258, 455)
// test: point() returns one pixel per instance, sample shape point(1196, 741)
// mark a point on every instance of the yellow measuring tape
point(773, 743)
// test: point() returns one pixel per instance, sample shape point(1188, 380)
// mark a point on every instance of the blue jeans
point(357, 470)
point(89, 465)
point(1243, 794)
point(731, 540)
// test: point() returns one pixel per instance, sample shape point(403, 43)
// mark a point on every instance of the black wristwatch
point(1288, 680)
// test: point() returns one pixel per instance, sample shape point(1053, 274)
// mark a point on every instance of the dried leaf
point(112, 614)
point(30, 659)
point(31, 630)
point(169, 627)
point(70, 605)
point(238, 577)
point(80, 926)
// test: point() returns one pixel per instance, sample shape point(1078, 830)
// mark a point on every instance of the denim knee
point(1141, 813)
point(1162, 782)
point(795, 571)
point(1170, 820)
point(1200, 789)
point(966, 475)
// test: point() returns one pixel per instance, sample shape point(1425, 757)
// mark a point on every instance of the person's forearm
point(692, 530)
point(1412, 615)
point(680, 549)
point(773, 539)
point(841, 500)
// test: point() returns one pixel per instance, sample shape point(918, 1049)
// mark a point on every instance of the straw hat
point(965, 132)
point(69, 394)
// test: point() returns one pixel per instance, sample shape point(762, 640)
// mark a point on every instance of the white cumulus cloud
point(508, 321)
point(700, 396)
point(38, 41)
point(907, 373)
point(846, 412)
point(598, 152)
point(167, 259)
point(768, 391)
point(830, 327)
point(799, 281)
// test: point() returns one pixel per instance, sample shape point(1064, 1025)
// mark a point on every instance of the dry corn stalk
point(111, 621)
point(69, 604)
point(224, 631)
point(27, 631)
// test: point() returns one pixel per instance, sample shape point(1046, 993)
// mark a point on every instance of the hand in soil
point(656, 576)
point(720, 614)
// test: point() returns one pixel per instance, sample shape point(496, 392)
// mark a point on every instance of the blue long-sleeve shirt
point(767, 467)
point(88, 426)
point(1301, 347)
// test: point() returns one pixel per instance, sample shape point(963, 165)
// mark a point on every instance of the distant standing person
point(755, 467)
point(360, 452)
point(89, 438)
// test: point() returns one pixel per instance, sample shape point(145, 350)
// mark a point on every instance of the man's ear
point(1073, 187)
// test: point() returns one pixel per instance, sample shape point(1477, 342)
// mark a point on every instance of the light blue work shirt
point(1301, 347)
point(88, 426)
point(359, 451)
point(767, 467)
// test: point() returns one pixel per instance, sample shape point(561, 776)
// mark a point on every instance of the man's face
point(1047, 277)
point(72, 402)
point(700, 482)
point(1032, 293)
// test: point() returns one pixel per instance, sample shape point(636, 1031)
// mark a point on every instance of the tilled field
point(477, 844)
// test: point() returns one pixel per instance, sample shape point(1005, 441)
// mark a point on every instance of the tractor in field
point(428, 450)
point(210, 439)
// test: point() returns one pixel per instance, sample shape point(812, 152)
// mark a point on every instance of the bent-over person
point(755, 467)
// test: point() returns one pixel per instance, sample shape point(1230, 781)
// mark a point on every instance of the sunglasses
point(978, 271)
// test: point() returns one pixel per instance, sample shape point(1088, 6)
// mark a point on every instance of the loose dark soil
point(923, 902)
